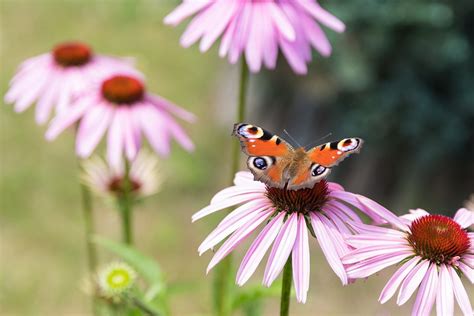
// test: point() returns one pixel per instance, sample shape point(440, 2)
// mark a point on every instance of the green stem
point(89, 232)
point(286, 289)
point(125, 206)
point(223, 276)
point(143, 306)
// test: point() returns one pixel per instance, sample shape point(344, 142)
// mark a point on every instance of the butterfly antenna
point(292, 138)
point(318, 140)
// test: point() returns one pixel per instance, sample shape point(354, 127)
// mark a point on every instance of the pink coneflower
point(257, 28)
point(288, 215)
point(124, 107)
point(433, 252)
point(54, 79)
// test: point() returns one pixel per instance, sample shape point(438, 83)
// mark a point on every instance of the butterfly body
point(276, 163)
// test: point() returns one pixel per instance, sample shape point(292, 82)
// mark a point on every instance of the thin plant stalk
point(223, 278)
point(87, 211)
point(125, 206)
point(286, 289)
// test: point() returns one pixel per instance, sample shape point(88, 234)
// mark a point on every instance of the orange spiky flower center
point(300, 201)
point(123, 90)
point(438, 238)
point(72, 54)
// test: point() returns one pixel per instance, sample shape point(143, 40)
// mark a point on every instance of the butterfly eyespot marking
point(348, 144)
point(250, 131)
point(317, 170)
point(260, 163)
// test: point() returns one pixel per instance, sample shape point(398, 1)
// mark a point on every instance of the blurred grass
point(42, 247)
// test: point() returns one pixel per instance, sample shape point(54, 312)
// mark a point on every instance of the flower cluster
point(99, 95)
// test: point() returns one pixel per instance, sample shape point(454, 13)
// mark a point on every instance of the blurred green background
point(401, 77)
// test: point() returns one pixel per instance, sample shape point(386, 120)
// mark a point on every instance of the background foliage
point(401, 77)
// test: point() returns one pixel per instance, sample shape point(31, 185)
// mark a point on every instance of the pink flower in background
point(54, 79)
point(122, 106)
point(432, 253)
point(287, 216)
point(257, 29)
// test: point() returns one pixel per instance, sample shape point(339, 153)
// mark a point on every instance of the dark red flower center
point(123, 89)
point(438, 238)
point(300, 201)
point(72, 54)
point(118, 186)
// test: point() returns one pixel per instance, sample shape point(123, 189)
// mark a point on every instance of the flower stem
point(125, 206)
point(223, 279)
point(89, 232)
point(286, 289)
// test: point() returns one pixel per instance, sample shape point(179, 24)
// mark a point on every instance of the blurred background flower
point(53, 80)
point(121, 105)
point(399, 77)
point(145, 176)
point(258, 29)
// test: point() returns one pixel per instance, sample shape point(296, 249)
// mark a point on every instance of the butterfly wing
point(317, 163)
point(269, 155)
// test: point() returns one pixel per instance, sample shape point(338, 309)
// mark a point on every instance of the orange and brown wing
point(268, 153)
point(330, 154)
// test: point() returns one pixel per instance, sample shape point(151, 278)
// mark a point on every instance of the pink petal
point(325, 242)
point(235, 191)
point(258, 249)
point(224, 230)
point(374, 251)
point(253, 49)
point(332, 186)
point(246, 209)
point(342, 248)
point(129, 133)
point(223, 13)
point(241, 32)
point(373, 265)
point(293, 56)
point(444, 296)
point(467, 271)
point(316, 36)
point(427, 293)
point(115, 142)
point(281, 250)
point(322, 15)
point(237, 238)
point(460, 293)
point(300, 257)
point(269, 40)
point(412, 281)
point(371, 207)
point(228, 37)
point(153, 128)
point(178, 133)
point(281, 22)
point(464, 217)
point(61, 122)
point(91, 129)
point(224, 204)
point(46, 102)
point(197, 27)
point(185, 10)
point(397, 278)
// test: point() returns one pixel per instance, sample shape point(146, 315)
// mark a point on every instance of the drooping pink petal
point(223, 13)
point(258, 249)
point(373, 208)
point(91, 129)
point(241, 32)
point(371, 266)
point(224, 204)
point(61, 122)
point(322, 15)
point(235, 191)
point(300, 258)
point(237, 238)
point(467, 271)
point(316, 36)
point(254, 49)
point(184, 10)
point(245, 209)
point(444, 296)
point(374, 251)
point(153, 128)
point(464, 217)
point(281, 22)
point(269, 40)
point(396, 279)
point(281, 250)
point(427, 293)
point(224, 230)
point(45, 103)
point(412, 281)
point(115, 142)
point(325, 242)
point(460, 293)
point(129, 133)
